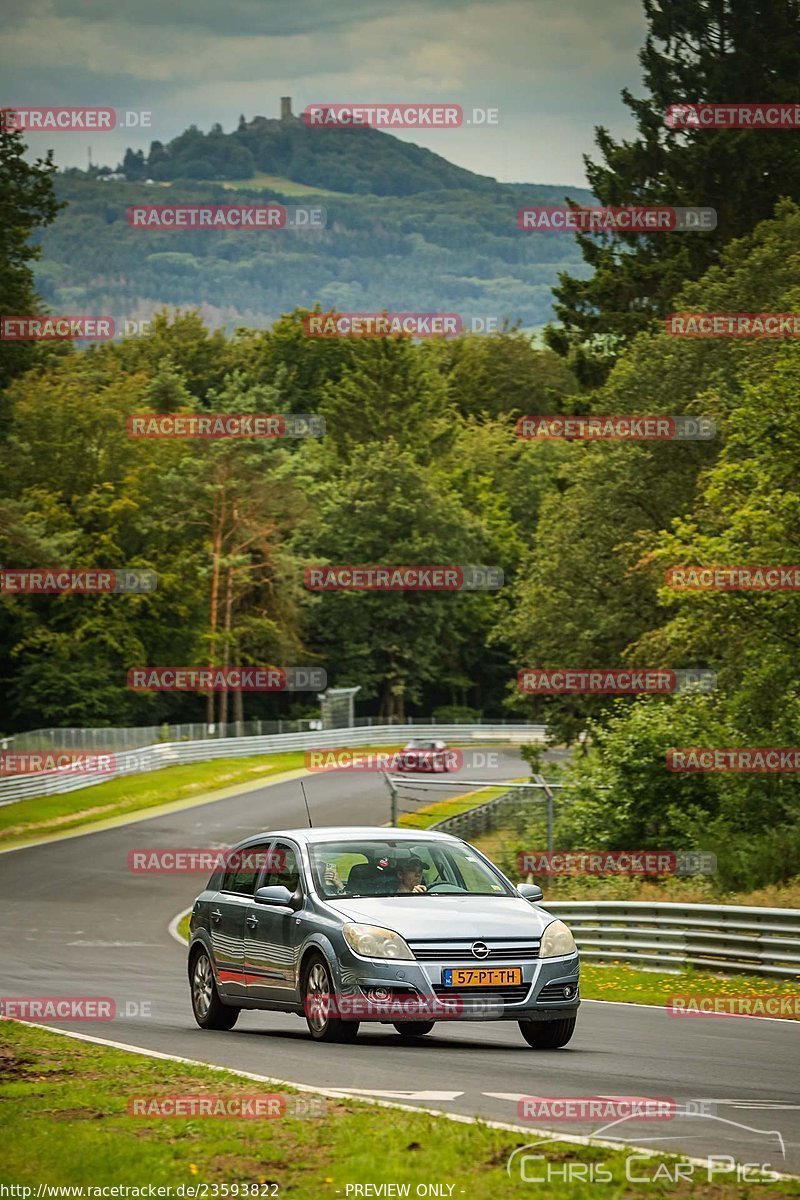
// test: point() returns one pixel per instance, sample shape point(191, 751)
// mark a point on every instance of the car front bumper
point(549, 991)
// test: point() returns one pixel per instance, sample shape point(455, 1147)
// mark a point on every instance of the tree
point(696, 50)
point(386, 508)
point(585, 596)
point(27, 201)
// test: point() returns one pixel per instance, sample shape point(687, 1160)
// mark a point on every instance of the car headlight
point(371, 941)
point(556, 940)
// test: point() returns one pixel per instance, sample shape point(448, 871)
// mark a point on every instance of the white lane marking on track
point(663, 1008)
point(399, 1095)
point(111, 944)
point(173, 927)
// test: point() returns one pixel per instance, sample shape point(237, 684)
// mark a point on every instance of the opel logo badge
point(480, 950)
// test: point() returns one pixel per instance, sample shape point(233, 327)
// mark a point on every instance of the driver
point(409, 875)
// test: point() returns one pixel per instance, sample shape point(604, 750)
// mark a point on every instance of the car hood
point(446, 916)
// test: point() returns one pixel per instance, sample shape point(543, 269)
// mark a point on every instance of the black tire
point(547, 1035)
point(413, 1029)
point(323, 1027)
point(208, 1009)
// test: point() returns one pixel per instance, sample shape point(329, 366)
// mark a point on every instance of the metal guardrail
point(170, 754)
point(761, 941)
point(482, 817)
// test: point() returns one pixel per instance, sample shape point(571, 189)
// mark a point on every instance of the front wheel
point(208, 1009)
point(411, 1029)
point(318, 997)
point(547, 1035)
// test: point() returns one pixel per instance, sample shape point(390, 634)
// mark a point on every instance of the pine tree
point(696, 50)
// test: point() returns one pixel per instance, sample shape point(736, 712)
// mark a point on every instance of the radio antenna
point(305, 797)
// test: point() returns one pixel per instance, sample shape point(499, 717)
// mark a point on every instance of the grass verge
point(620, 981)
point(65, 1107)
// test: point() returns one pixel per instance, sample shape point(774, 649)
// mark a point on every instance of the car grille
point(555, 991)
point(509, 994)
point(505, 950)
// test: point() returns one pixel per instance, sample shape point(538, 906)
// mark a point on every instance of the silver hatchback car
point(405, 927)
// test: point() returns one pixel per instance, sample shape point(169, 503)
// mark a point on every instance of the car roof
point(355, 833)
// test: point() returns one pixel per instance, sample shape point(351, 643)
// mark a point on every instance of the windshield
point(344, 870)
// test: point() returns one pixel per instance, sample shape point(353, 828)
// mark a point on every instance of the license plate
point(481, 976)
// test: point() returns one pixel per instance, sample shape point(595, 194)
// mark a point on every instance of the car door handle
point(216, 916)
point(252, 920)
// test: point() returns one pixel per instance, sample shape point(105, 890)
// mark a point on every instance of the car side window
point(283, 869)
point(243, 869)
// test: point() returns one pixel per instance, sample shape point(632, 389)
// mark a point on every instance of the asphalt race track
point(75, 921)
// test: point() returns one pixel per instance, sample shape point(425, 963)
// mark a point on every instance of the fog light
point(569, 991)
point(380, 995)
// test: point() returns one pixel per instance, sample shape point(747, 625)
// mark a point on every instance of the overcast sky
point(553, 68)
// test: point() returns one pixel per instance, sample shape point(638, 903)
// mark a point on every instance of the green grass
point(620, 981)
point(66, 1122)
point(431, 814)
point(43, 815)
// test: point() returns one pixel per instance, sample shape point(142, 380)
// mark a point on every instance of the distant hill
point(353, 161)
point(406, 231)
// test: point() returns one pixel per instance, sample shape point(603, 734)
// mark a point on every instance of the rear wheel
point(209, 1011)
point(411, 1029)
point(547, 1035)
point(318, 997)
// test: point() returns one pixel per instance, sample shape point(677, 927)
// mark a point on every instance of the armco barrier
point(171, 754)
point(761, 941)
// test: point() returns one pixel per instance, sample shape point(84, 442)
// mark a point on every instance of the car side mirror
point(529, 891)
point(275, 897)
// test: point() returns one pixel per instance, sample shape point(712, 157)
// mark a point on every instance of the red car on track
point(422, 755)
